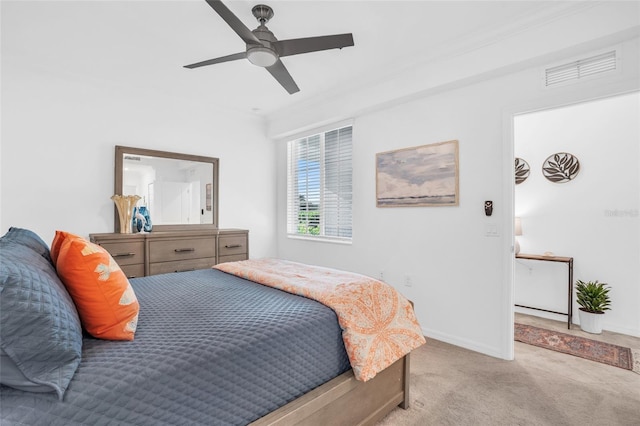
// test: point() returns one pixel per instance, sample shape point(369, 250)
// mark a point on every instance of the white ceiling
point(141, 46)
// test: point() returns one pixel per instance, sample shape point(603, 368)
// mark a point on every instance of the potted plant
point(593, 298)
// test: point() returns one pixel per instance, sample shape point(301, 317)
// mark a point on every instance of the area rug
point(582, 347)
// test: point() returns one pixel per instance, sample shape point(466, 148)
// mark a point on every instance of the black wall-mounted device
point(488, 207)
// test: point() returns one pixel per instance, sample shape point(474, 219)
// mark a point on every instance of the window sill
point(345, 241)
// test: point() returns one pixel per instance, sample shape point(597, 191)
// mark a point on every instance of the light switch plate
point(491, 230)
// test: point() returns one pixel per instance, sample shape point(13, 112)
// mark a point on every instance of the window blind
point(319, 185)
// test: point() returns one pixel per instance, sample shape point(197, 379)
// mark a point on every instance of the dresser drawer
point(133, 271)
point(232, 258)
point(126, 253)
point(181, 249)
point(173, 251)
point(181, 265)
point(229, 245)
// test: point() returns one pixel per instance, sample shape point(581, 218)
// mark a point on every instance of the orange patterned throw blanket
point(378, 323)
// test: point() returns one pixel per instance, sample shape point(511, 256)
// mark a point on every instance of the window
point(319, 185)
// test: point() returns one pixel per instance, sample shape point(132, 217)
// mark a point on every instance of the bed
point(210, 348)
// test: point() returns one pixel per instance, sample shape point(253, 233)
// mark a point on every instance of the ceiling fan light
point(261, 56)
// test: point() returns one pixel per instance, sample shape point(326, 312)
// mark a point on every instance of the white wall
point(59, 130)
point(58, 134)
point(595, 218)
point(461, 282)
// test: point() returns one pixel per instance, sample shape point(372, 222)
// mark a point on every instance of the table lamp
point(517, 232)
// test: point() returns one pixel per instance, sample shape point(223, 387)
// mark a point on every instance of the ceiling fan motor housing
point(265, 54)
point(265, 36)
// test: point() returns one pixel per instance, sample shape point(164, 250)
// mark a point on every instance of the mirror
point(180, 191)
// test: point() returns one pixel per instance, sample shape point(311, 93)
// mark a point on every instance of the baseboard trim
point(472, 345)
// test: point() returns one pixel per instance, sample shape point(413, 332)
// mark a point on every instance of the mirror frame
point(119, 169)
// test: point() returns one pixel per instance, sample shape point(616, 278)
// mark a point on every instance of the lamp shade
point(517, 230)
point(261, 56)
point(517, 226)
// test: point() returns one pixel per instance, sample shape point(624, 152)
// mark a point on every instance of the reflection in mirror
point(179, 190)
point(174, 190)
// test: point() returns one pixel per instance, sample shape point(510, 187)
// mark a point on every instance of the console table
point(569, 262)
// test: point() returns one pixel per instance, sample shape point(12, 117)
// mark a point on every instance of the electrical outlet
point(407, 281)
point(381, 275)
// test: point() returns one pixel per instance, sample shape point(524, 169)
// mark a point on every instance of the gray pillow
point(30, 239)
point(12, 376)
point(40, 331)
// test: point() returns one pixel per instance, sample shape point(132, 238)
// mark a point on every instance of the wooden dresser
point(174, 251)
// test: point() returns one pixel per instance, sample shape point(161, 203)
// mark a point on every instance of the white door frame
point(508, 189)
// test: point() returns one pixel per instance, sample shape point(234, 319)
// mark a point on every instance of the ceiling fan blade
point(233, 21)
point(227, 58)
point(313, 44)
point(280, 73)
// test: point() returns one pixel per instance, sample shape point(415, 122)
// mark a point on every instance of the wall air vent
point(577, 70)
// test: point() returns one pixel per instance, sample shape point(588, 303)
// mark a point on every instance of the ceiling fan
point(264, 50)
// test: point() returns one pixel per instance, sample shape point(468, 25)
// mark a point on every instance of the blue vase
point(142, 219)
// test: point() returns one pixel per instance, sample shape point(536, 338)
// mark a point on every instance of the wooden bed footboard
point(347, 401)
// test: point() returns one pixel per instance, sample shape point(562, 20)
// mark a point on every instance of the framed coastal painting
point(424, 175)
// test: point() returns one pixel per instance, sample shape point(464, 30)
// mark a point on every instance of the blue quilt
point(210, 349)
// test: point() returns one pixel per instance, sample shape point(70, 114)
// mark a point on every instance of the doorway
point(591, 216)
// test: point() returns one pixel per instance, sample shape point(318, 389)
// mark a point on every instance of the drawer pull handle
point(233, 245)
point(182, 250)
point(123, 254)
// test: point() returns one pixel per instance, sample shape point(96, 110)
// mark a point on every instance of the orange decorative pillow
point(107, 306)
point(57, 243)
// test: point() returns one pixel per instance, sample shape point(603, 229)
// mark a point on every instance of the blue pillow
point(40, 331)
point(30, 239)
point(13, 377)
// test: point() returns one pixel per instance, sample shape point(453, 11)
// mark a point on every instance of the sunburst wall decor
point(522, 170)
point(561, 167)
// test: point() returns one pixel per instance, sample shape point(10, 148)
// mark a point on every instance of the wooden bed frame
point(347, 401)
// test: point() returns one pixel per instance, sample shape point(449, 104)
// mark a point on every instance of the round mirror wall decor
point(522, 170)
point(561, 167)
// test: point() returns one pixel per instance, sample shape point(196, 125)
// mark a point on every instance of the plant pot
point(591, 322)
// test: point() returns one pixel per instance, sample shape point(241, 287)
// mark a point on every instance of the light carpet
point(455, 386)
